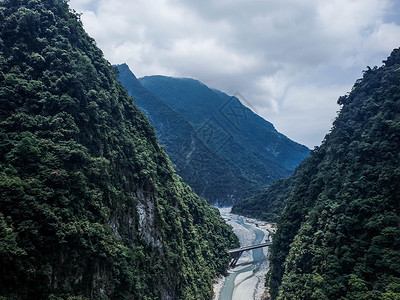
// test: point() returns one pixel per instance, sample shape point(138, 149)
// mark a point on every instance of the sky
point(290, 60)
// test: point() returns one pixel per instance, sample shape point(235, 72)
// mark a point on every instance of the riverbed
point(247, 280)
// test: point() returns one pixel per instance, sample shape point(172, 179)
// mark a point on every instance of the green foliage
point(270, 203)
point(338, 235)
point(77, 161)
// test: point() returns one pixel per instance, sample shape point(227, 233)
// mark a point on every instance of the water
point(246, 268)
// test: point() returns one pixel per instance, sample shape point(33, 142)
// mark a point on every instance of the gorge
point(91, 206)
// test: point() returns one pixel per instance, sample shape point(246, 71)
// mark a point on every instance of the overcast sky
point(290, 59)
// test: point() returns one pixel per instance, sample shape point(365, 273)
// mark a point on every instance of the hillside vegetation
point(339, 235)
point(90, 207)
point(268, 204)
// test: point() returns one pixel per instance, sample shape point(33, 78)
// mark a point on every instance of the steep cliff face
point(89, 202)
point(338, 236)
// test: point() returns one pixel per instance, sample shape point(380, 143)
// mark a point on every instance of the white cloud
point(291, 59)
point(305, 111)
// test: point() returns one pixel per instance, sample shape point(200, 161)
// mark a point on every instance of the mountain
point(249, 133)
point(338, 236)
point(268, 204)
point(90, 206)
point(230, 153)
point(206, 172)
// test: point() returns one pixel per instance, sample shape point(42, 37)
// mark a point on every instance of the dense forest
point(90, 206)
point(268, 204)
point(338, 236)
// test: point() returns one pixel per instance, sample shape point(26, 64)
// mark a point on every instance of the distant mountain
point(220, 147)
point(268, 204)
point(338, 236)
point(260, 135)
point(206, 172)
point(255, 137)
point(90, 206)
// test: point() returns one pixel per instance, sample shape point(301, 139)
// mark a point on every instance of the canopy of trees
point(90, 206)
point(339, 235)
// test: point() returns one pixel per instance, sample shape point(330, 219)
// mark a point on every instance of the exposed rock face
point(147, 219)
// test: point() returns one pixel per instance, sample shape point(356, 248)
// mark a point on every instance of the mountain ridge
point(238, 119)
point(203, 109)
point(205, 171)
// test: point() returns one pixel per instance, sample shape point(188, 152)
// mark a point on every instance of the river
point(247, 279)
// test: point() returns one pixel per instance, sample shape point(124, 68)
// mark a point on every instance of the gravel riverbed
point(249, 284)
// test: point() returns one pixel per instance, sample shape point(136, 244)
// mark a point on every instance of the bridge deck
point(241, 249)
point(236, 253)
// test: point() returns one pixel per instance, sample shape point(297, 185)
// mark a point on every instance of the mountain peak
point(218, 133)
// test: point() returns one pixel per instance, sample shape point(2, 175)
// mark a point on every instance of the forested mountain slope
point(339, 235)
point(247, 143)
point(90, 207)
point(209, 174)
point(268, 204)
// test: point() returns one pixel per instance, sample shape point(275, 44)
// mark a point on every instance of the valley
point(109, 184)
point(246, 280)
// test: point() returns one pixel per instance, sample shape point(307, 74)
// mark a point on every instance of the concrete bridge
point(236, 253)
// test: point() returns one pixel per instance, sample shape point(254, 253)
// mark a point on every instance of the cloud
point(291, 59)
point(305, 112)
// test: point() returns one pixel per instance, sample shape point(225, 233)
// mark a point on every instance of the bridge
point(237, 252)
